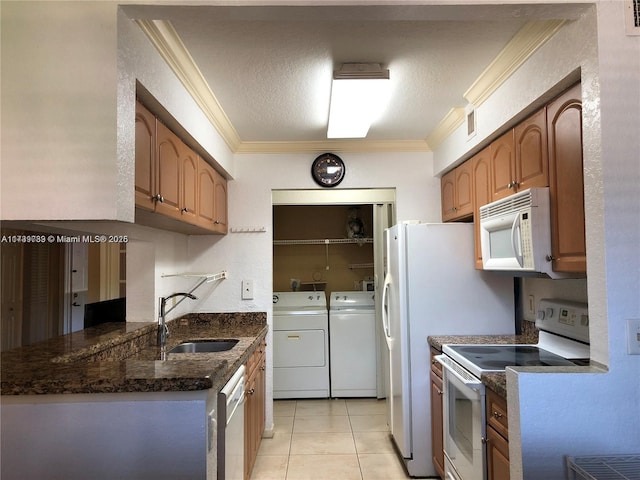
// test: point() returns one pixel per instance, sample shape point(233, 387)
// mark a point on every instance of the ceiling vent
point(632, 17)
point(470, 113)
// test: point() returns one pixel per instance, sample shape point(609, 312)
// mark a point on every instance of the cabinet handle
point(251, 392)
point(263, 368)
point(184, 210)
point(440, 392)
point(159, 198)
point(216, 222)
point(497, 415)
point(550, 258)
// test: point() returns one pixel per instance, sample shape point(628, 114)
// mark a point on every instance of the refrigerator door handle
point(385, 310)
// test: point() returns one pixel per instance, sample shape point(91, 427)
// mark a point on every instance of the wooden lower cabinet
point(497, 437)
point(497, 456)
point(437, 444)
point(254, 417)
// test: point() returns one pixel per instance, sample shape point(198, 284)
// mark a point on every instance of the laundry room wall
point(332, 267)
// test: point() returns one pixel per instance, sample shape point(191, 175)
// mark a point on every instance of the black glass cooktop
point(497, 357)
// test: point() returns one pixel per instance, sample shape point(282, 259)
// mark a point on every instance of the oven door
point(464, 422)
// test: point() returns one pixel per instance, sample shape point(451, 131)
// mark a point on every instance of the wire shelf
point(602, 467)
point(326, 241)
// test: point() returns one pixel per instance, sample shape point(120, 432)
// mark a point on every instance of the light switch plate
point(633, 336)
point(247, 289)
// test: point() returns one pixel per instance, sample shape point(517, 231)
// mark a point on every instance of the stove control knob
point(546, 314)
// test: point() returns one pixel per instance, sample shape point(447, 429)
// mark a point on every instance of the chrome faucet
point(163, 330)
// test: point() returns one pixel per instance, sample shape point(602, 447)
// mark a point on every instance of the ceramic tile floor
point(328, 439)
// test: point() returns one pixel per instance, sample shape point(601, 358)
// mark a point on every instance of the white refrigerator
point(432, 288)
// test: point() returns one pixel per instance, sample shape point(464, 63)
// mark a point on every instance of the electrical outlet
point(247, 289)
point(633, 336)
point(531, 306)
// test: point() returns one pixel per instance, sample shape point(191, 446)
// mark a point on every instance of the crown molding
point(451, 121)
point(170, 47)
point(529, 38)
point(351, 146)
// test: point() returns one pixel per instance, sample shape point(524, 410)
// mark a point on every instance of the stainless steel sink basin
point(204, 346)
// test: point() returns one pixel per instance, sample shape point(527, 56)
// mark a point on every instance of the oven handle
point(461, 374)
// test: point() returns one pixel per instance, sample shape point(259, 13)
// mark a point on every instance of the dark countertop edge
point(215, 378)
point(436, 341)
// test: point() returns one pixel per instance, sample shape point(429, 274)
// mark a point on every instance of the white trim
point(529, 39)
point(333, 196)
point(352, 146)
point(451, 121)
point(170, 47)
point(168, 43)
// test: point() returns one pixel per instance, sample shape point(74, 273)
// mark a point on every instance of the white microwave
point(515, 233)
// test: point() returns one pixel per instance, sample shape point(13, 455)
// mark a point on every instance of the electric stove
point(563, 341)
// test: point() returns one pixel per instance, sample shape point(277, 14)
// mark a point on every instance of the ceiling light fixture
point(359, 94)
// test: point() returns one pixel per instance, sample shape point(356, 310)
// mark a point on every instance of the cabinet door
point(220, 194)
point(145, 158)
point(566, 185)
point(532, 164)
point(447, 189)
point(497, 414)
point(437, 443)
point(482, 194)
point(497, 456)
point(189, 185)
point(503, 174)
point(168, 172)
point(249, 426)
point(464, 190)
point(206, 195)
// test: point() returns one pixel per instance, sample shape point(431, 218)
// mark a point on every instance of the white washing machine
point(353, 344)
point(300, 345)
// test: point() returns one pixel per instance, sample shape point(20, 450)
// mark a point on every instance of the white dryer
point(300, 345)
point(353, 344)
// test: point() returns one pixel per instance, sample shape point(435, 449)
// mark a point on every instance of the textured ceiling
point(270, 68)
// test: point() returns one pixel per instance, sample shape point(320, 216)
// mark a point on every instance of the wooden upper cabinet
point(189, 162)
point(448, 192)
point(566, 184)
point(212, 198)
point(519, 158)
point(145, 152)
point(221, 221)
point(482, 194)
point(503, 166)
point(457, 193)
point(168, 180)
point(464, 190)
point(172, 180)
point(532, 164)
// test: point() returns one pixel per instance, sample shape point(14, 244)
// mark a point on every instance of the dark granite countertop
point(495, 381)
point(124, 357)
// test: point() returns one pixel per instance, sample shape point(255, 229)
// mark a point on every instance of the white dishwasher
point(231, 428)
point(353, 344)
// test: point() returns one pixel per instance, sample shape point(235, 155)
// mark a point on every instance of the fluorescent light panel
point(359, 94)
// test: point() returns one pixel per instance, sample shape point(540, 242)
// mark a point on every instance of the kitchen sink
point(204, 346)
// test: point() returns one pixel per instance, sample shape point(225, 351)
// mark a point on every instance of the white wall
point(249, 255)
point(552, 415)
point(58, 116)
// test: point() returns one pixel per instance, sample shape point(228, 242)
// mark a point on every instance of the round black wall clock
point(328, 170)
